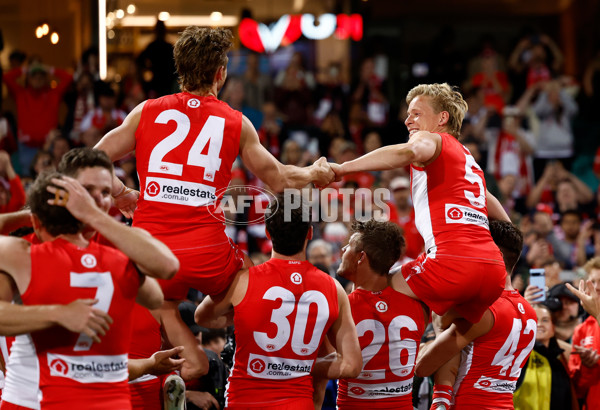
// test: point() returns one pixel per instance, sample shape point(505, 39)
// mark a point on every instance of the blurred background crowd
point(532, 129)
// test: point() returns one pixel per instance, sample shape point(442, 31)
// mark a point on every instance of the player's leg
point(398, 283)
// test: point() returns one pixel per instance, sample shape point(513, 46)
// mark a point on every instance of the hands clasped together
point(326, 172)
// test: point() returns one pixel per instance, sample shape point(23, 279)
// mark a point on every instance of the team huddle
point(99, 298)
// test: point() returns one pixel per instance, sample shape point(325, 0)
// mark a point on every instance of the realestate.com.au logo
point(248, 205)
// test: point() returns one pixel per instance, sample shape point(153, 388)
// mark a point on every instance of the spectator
point(12, 194)
point(157, 64)
point(571, 232)
point(271, 132)
point(37, 106)
point(107, 116)
point(492, 81)
point(403, 214)
point(583, 363)
point(292, 93)
point(555, 109)
point(234, 95)
point(320, 254)
point(544, 382)
point(331, 93)
point(42, 161)
point(258, 87)
point(566, 315)
point(369, 94)
point(79, 102)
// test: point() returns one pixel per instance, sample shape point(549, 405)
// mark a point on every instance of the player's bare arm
point(347, 362)
point(11, 221)
point(118, 143)
point(450, 343)
point(421, 149)
point(176, 333)
point(161, 362)
point(150, 294)
point(276, 175)
point(152, 256)
point(495, 208)
point(216, 312)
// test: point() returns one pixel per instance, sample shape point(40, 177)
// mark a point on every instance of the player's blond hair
point(443, 97)
point(593, 263)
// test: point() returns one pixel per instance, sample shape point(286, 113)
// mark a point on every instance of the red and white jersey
point(145, 341)
point(73, 370)
point(279, 325)
point(389, 326)
point(492, 363)
point(185, 148)
point(449, 197)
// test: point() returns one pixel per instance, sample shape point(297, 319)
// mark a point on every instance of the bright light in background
point(45, 28)
point(216, 16)
point(110, 34)
point(54, 38)
point(131, 9)
point(110, 23)
point(120, 13)
point(102, 38)
point(111, 15)
point(164, 15)
point(178, 21)
point(39, 32)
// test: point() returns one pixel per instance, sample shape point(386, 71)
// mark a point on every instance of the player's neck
point(76, 239)
point(300, 256)
point(208, 92)
point(371, 281)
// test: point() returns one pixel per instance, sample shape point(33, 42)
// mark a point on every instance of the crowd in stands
point(532, 129)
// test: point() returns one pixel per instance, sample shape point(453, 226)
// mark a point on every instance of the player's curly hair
point(443, 97)
point(381, 241)
point(199, 52)
point(57, 220)
point(510, 241)
point(593, 263)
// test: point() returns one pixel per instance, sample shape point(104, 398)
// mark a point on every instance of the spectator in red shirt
point(37, 106)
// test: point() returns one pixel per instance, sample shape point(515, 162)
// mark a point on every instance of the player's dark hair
point(510, 241)
point(199, 52)
point(381, 241)
point(78, 158)
point(57, 220)
point(287, 223)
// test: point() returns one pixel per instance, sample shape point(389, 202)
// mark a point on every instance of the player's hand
point(533, 293)
point(201, 399)
point(127, 202)
point(73, 196)
point(164, 361)
point(337, 170)
point(588, 296)
point(80, 316)
point(323, 173)
point(589, 357)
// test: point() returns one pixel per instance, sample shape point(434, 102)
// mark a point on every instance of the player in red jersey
point(93, 169)
point(389, 324)
point(494, 350)
point(283, 309)
point(461, 272)
point(75, 372)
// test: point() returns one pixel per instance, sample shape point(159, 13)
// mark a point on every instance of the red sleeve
point(65, 80)
point(17, 196)
point(10, 79)
point(597, 162)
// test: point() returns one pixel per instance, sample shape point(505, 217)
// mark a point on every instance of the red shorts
point(146, 395)
point(469, 286)
point(209, 269)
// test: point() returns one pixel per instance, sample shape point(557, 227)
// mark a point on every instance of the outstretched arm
point(421, 148)
point(161, 362)
point(495, 209)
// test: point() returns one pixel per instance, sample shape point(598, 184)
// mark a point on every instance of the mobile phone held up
point(537, 277)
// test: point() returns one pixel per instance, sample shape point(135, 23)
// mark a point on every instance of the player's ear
point(444, 117)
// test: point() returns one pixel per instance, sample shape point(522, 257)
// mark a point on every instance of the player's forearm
point(294, 177)
point(151, 256)
point(495, 209)
point(14, 220)
point(19, 319)
point(138, 367)
point(389, 157)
